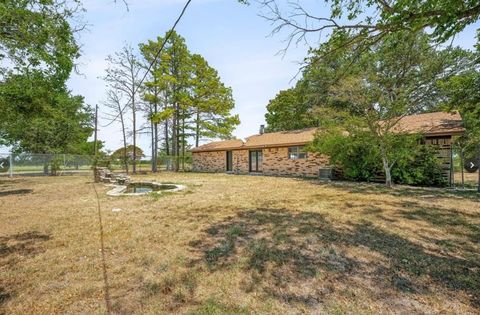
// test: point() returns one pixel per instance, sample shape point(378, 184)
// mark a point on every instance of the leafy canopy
point(41, 117)
point(369, 21)
point(192, 90)
point(371, 91)
point(120, 153)
point(37, 34)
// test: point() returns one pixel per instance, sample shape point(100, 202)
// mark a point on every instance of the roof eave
point(250, 147)
point(444, 133)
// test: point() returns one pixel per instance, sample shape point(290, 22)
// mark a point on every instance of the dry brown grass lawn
point(237, 245)
point(470, 179)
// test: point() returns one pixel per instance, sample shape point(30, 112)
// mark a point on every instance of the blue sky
point(231, 36)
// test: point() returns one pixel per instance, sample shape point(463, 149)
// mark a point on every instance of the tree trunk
point(134, 137)
point(155, 130)
point(167, 147)
point(462, 166)
point(152, 159)
point(155, 149)
point(125, 159)
point(197, 130)
point(183, 142)
point(388, 175)
point(174, 138)
point(167, 140)
point(177, 153)
point(166, 133)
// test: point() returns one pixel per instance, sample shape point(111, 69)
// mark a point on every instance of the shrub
point(422, 168)
point(354, 154)
point(360, 159)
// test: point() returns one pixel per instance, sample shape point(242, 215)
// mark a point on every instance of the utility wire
point(106, 288)
point(102, 244)
point(135, 90)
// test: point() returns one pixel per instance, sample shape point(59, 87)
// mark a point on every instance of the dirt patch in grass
point(238, 245)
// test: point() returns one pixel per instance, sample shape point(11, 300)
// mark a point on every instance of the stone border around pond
point(118, 190)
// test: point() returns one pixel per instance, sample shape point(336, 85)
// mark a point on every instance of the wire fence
point(26, 164)
point(463, 174)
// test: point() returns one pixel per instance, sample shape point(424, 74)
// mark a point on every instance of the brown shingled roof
point(220, 145)
point(439, 123)
point(281, 138)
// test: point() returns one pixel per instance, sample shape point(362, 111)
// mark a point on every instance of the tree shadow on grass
point(15, 192)
point(23, 244)
point(454, 222)
point(10, 181)
point(401, 190)
point(15, 247)
point(451, 220)
point(4, 296)
point(279, 249)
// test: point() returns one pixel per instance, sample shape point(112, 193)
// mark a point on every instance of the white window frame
point(296, 153)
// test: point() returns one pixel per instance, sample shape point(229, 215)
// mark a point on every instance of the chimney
point(262, 129)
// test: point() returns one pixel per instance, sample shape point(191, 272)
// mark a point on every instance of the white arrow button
point(1, 164)
point(472, 165)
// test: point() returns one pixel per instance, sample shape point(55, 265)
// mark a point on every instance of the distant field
point(471, 179)
point(237, 245)
point(38, 169)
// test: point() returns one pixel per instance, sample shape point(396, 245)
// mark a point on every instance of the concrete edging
point(119, 189)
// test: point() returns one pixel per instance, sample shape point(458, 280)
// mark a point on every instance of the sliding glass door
point(255, 161)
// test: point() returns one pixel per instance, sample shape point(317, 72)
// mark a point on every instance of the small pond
point(135, 188)
point(142, 188)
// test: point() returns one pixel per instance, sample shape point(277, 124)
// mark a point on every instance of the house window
point(295, 153)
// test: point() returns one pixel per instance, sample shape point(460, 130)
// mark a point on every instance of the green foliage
point(360, 159)
point(388, 74)
point(462, 93)
point(447, 18)
point(289, 110)
point(56, 165)
point(121, 152)
point(211, 102)
point(36, 34)
point(367, 92)
point(421, 167)
point(186, 95)
point(88, 148)
point(357, 158)
point(298, 107)
point(40, 115)
point(367, 21)
point(37, 54)
point(103, 161)
point(163, 115)
point(172, 69)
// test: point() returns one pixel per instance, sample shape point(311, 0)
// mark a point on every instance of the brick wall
point(214, 161)
point(276, 162)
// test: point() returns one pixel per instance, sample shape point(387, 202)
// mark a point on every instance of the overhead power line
point(153, 61)
point(105, 277)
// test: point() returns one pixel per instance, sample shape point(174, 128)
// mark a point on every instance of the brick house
point(281, 153)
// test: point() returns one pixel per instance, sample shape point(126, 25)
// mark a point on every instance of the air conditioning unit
point(325, 173)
